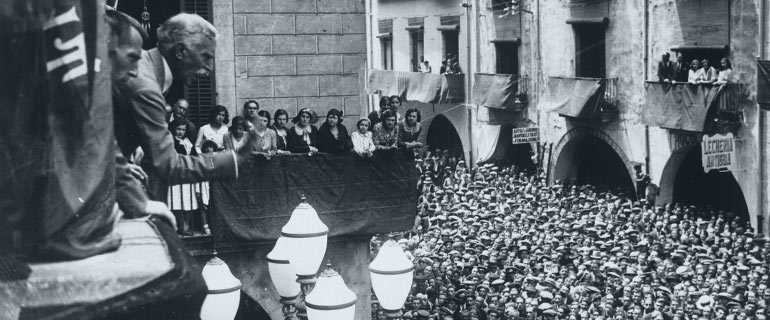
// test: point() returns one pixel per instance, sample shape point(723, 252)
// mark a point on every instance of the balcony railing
point(710, 108)
point(416, 86)
point(586, 98)
point(501, 91)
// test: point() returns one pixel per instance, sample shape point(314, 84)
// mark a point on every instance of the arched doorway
point(584, 157)
point(443, 135)
point(692, 186)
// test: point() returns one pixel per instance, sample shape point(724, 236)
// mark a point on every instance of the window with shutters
point(201, 92)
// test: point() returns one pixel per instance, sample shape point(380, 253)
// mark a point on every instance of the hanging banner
point(718, 152)
point(526, 135)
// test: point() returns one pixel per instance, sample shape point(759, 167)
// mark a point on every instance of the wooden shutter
point(201, 93)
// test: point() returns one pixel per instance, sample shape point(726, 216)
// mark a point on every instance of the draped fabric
point(493, 90)
point(352, 195)
point(763, 84)
point(573, 97)
point(416, 86)
point(681, 106)
point(488, 143)
point(56, 151)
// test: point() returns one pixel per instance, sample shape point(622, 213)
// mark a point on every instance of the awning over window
point(494, 90)
point(416, 86)
point(682, 106)
point(763, 84)
point(573, 97)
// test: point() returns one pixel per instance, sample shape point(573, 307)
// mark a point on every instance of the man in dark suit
point(186, 45)
point(681, 69)
point(665, 69)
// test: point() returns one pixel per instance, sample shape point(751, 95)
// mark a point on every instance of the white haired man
point(186, 44)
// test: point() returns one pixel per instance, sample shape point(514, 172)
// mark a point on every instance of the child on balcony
point(362, 139)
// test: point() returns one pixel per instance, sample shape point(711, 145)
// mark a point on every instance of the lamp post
point(284, 277)
point(223, 297)
point(305, 237)
point(392, 276)
point(331, 299)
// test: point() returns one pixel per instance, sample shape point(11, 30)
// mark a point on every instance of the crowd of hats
point(496, 243)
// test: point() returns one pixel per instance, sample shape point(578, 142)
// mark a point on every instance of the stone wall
point(292, 54)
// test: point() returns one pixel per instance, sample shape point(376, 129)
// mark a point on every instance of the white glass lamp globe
point(282, 273)
point(392, 275)
point(331, 299)
point(306, 237)
point(224, 291)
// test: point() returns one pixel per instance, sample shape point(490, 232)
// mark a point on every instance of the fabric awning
point(681, 106)
point(494, 90)
point(416, 86)
point(485, 148)
point(573, 97)
point(763, 84)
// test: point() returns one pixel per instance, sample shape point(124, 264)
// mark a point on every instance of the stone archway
point(684, 181)
point(443, 134)
point(589, 155)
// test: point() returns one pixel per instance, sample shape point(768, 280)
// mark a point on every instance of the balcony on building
point(501, 91)
point(417, 86)
point(706, 108)
point(590, 99)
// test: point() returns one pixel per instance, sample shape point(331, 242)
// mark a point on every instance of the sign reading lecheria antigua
point(718, 152)
point(526, 135)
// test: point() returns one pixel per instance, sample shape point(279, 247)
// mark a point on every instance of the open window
point(416, 28)
point(590, 59)
point(507, 53)
point(386, 43)
point(450, 35)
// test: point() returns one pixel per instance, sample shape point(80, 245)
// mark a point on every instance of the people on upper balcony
point(265, 142)
point(726, 74)
point(443, 68)
point(680, 68)
point(375, 117)
point(235, 139)
point(303, 137)
point(710, 74)
point(216, 129)
point(385, 134)
point(362, 141)
point(425, 67)
point(409, 130)
point(665, 69)
point(280, 118)
point(332, 135)
point(696, 73)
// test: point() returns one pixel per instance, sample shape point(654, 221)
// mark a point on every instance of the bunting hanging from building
point(573, 97)
point(681, 106)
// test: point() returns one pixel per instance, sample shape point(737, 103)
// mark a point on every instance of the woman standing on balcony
point(216, 129)
point(385, 134)
point(696, 73)
point(726, 74)
point(333, 136)
point(265, 142)
point(409, 130)
point(280, 118)
point(303, 137)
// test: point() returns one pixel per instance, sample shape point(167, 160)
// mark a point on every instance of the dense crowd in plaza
point(494, 242)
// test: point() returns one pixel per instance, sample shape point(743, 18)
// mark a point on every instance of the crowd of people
point(696, 72)
point(493, 242)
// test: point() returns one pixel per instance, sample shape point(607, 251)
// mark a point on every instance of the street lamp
point(331, 299)
point(305, 237)
point(392, 275)
point(284, 277)
point(224, 291)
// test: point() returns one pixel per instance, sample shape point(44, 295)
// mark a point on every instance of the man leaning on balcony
point(665, 69)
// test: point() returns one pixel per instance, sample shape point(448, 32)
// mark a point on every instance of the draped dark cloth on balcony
point(352, 195)
point(680, 106)
point(416, 86)
point(494, 90)
point(763, 84)
point(573, 97)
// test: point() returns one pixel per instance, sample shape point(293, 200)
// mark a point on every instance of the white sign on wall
point(718, 152)
point(526, 135)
